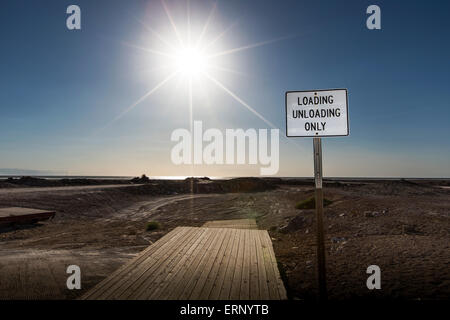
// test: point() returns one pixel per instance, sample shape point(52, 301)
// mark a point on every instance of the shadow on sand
point(15, 227)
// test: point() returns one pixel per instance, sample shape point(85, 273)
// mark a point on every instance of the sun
point(190, 61)
point(192, 56)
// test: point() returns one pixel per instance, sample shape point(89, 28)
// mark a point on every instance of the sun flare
point(190, 61)
point(193, 56)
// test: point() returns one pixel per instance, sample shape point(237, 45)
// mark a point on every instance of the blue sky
point(61, 90)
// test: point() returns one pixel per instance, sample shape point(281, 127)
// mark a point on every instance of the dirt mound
point(296, 223)
point(142, 179)
point(247, 185)
point(401, 187)
point(241, 185)
point(28, 181)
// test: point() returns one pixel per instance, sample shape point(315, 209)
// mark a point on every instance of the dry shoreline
point(401, 226)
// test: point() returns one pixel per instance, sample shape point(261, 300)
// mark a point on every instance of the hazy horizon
point(45, 174)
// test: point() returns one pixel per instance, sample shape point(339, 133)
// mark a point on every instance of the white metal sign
point(319, 113)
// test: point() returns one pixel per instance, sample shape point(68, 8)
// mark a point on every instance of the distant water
point(69, 177)
point(55, 177)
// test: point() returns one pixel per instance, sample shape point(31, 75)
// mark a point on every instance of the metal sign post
point(317, 113)
point(321, 270)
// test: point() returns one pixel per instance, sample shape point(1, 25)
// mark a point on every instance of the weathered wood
point(201, 285)
point(198, 263)
point(275, 277)
point(18, 215)
point(254, 283)
point(184, 270)
point(219, 263)
point(234, 224)
point(218, 283)
point(152, 279)
point(229, 272)
point(142, 261)
point(262, 276)
point(244, 293)
point(237, 276)
point(186, 286)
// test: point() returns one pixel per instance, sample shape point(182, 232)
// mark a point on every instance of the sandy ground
point(401, 227)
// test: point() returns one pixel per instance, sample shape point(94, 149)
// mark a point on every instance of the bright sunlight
point(190, 61)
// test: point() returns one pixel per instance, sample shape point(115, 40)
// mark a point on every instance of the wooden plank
point(180, 274)
point(219, 263)
point(262, 276)
point(221, 272)
point(234, 224)
point(244, 293)
point(197, 269)
point(254, 283)
point(20, 211)
point(237, 277)
point(276, 274)
point(161, 244)
point(23, 215)
point(116, 280)
point(271, 276)
point(135, 271)
point(208, 267)
point(229, 274)
point(147, 276)
point(199, 263)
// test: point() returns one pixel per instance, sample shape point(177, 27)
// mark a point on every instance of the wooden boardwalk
point(199, 263)
point(20, 215)
point(234, 224)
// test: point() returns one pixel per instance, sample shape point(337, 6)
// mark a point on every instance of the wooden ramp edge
point(234, 224)
point(21, 215)
point(198, 263)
